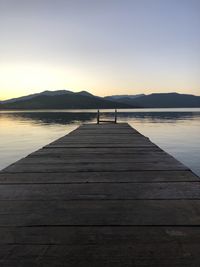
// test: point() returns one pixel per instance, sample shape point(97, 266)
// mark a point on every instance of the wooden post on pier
point(98, 116)
point(106, 121)
point(115, 116)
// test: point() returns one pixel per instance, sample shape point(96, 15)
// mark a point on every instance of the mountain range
point(61, 99)
point(159, 100)
point(65, 99)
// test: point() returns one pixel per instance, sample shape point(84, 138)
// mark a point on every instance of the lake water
point(177, 131)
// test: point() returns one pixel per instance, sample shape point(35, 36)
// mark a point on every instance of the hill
point(61, 100)
point(47, 93)
point(118, 97)
point(163, 100)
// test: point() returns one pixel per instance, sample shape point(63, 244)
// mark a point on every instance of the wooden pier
point(103, 196)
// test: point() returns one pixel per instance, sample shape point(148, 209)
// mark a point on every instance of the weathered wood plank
point(105, 137)
point(114, 246)
point(109, 256)
point(66, 159)
point(96, 157)
point(107, 133)
point(100, 212)
point(97, 145)
point(98, 235)
point(99, 177)
point(132, 191)
point(90, 167)
point(100, 150)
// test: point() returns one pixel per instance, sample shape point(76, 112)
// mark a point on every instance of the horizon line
point(88, 91)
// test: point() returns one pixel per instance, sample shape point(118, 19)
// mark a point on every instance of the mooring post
point(98, 116)
point(115, 116)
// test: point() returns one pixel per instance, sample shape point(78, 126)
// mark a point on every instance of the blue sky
point(104, 46)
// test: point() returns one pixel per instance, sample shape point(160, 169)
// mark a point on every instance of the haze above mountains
point(65, 99)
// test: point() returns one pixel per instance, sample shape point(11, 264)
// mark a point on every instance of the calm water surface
point(175, 130)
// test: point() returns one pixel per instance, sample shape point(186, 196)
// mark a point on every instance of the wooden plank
point(102, 141)
point(66, 159)
point(90, 167)
point(76, 155)
point(105, 141)
point(103, 235)
point(113, 245)
point(112, 137)
point(108, 133)
point(108, 256)
point(99, 177)
point(104, 126)
point(100, 212)
point(99, 145)
point(74, 160)
point(98, 256)
point(99, 157)
point(100, 150)
point(111, 191)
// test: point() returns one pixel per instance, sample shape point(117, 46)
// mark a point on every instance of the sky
point(104, 46)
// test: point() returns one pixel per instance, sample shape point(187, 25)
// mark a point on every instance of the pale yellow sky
point(104, 46)
point(23, 79)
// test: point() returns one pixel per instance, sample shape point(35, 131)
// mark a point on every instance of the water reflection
point(80, 117)
point(177, 132)
point(156, 116)
point(51, 117)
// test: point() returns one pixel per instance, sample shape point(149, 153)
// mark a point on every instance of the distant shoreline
point(95, 109)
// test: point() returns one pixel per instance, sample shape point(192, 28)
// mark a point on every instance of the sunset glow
point(104, 47)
